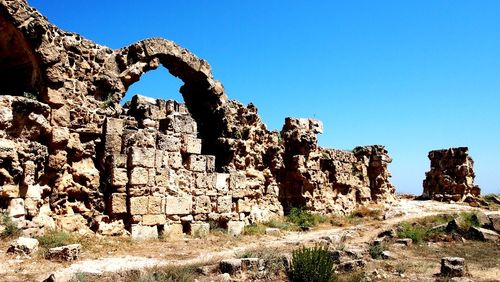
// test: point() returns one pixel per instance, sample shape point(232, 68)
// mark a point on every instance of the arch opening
point(19, 67)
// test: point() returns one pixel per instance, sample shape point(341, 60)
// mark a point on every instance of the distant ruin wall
point(451, 177)
point(72, 157)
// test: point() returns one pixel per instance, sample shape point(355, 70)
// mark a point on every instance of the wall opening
point(19, 68)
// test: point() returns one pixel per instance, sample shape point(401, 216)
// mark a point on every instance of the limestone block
point(235, 228)
point(202, 204)
point(35, 191)
point(113, 126)
point(9, 191)
point(119, 177)
point(224, 204)
point(153, 219)
point(142, 232)
point(16, 208)
point(64, 253)
point(230, 266)
point(118, 203)
point(31, 205)
point(178, 205)
point(191, 145)
point(162, 178)
point(139, 176)
point(58, 160)
point(221, 182)
point(151, 177)
point(119, 160)
point(139, 205)
point(175, 160)
point(168, 142)
point(452, 267)
point(199, 229)
point(23, 245)
point(156, 205)
point(196, 163)
point(86, 170)
point(210, 163)
point(244, 205)
point(179, 123)
point(59, 137)
point(112, 143)
point(172, 231)
point(143, 157)
point(237, 181)
point(114, 228)
point(205, 181)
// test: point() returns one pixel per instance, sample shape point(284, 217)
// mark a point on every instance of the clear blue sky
point(412, 75)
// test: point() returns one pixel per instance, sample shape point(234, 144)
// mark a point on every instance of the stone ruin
point(451, 177)
point(71, 157)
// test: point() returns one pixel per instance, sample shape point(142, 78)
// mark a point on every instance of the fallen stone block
point(495, 221)
point(351, 265)
point(199, 229)
point(252, 264)
point(235, 228)
point(483, 234)
point(64, 253)
point(273, 231)
point(142, 232)
point(452, 267)
point(404, 241)
point(23, 245)
point(230, 266)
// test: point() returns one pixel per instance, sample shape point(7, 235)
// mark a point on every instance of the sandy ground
point(120, 256)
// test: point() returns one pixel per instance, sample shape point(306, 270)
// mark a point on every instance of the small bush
point(413, 231)
point(304, 219)
point(55, 238)
point(365, 212)
point(164, 274)
point(10, 229)
point(468, 220)
point(376, 251)
point(254, 229)
point(311, 264)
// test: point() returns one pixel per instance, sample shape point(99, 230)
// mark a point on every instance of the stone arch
point(19, 65)
point(204, 97)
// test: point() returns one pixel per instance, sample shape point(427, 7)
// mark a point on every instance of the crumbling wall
point(451, 177)
point(72, 157)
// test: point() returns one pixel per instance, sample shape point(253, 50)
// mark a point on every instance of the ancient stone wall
point(451, 177)
point(72, 157)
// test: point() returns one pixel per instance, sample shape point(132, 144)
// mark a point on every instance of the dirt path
point(353, 235)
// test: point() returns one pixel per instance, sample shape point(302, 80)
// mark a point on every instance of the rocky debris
point(23, 245)
point(404, 241)
point(495, 222)
point(273, 231)
point(451, 177)
point(483, 234)
point(452, 267)
point(230, 266)
point(387, 255)
point(70, 152)
point(64, 253)
point(351, 265)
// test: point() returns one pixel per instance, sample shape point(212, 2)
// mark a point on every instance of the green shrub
point(376, 251)
point(468, 220)
point(311, 264)
point(55, 238)
point(254, 229)
point(163, 274)
point(304, 219)
point(415, 232)
point(10, 229)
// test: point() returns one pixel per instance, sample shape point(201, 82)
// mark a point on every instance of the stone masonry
point(451, 177)
point(72, 157)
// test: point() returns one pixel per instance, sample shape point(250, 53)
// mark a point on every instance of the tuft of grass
point(355, 276)
point(163, 274)
point(468, 220)
point(415, 232)
point(273, 260)
point(304, 219)
point(10, 229)
point(376, 251)
point(311, 264)
point(56, 238)
point(280, 224)
point(365, 212)
point(254, 229)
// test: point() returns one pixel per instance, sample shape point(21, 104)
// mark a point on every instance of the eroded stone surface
point(70, 149)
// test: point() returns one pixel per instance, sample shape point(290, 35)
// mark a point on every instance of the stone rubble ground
point(359, 236)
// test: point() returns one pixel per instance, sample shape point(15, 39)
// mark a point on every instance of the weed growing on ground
point(468, 219)
point(162, 274)
point(273, 260)
point(376, 251)
point(254, 229)
point(10, 229)
point(304, 219)
point(311, 264)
